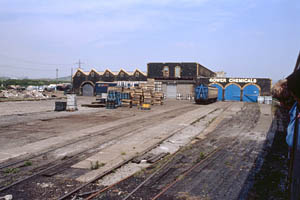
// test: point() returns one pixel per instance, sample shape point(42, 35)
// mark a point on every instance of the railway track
point(58, 164)
point(166, 164)
point(87, 137)
point(231, 145)
point(73, 193)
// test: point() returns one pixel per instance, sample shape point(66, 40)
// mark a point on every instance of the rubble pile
point(25, 94)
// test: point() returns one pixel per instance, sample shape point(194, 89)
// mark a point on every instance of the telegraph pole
point(79, 64)
point(56, 75)
point(71, 74)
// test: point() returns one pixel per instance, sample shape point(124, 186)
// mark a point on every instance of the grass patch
point(11, 170)
point(27, 163)
point(123, 153)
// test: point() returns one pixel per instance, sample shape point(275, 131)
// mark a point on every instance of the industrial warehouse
point(178, 80)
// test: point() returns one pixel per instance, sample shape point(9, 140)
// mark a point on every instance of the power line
point(27, 68)
point(30, 61)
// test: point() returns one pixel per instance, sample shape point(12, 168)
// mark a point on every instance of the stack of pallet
point(158, 98)
point(147, 97)
point(158, 86)
point(126, 99)
point(137, 96)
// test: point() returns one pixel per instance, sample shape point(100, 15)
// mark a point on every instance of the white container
point(71, 102)
point(179, 96)
point(260, 99)
point(268, 99)
point(104, 95)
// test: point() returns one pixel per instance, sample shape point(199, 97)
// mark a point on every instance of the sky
point(244, 38)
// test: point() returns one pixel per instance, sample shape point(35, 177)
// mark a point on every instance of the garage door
point(171, 91)
point(87, 90)
point(250, 93)
point(232, 93)
point(220, 91)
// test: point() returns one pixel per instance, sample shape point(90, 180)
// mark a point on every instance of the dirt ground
point(225, 137)
point(271, 182)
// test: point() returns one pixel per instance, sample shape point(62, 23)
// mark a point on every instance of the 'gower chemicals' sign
point(232, 80)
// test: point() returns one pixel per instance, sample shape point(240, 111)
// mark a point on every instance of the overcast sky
point(245, 38)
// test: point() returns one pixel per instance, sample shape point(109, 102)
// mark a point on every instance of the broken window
point(166, 71)
point(92, 74)
point(177, 72)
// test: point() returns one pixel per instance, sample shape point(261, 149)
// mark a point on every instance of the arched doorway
point(220, 91)
point(232, 93)
point(250, 93)
point(87, 89)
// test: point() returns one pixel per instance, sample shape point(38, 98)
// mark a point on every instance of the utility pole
point(79, 64)
point(71, 74)
point(56, 75)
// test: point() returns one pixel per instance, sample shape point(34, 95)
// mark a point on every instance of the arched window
point(107, 74)
point(177, 72)
point(166, 71)
point(121, 74)
point(137, 74)
point(92, 74)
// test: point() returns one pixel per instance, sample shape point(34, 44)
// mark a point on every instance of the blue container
point(101, 87)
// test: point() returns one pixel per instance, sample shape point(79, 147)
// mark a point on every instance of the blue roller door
point(220, 91)
point(232, 93)
point(250, 93)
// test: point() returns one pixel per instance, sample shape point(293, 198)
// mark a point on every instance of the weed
point(27, 163)
point(133, 147)
point(228, 163)
point(11, 170)
point(197, 120)
point(200, 157)
point(123, 153)
point(180, 177)
point(213, 119)
point(96, 165)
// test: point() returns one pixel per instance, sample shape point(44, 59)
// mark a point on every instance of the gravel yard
point(114, 137)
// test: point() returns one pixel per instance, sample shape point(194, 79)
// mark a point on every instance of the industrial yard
point(149, 100)
point(178, 150)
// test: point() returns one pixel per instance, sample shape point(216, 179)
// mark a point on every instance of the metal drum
point(268, 99)
point(60, 106)
point(260, 99)
point(71, 102)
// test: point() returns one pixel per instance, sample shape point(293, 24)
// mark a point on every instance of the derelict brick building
point(178, 78)
point(84, 82)
point(177, 71)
